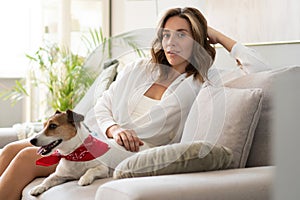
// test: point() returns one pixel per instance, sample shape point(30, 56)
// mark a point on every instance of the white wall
point(163, 5)
point(256, 20)
point(247, 21)
point(128, 15)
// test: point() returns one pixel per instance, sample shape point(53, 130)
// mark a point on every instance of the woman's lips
point(173, 52)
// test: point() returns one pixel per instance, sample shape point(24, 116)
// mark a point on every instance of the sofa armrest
point(7, 135)
point(247, 183)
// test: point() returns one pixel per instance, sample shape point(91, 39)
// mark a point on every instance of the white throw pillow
point(225, 116)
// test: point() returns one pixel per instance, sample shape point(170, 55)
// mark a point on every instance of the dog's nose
point(33, 141)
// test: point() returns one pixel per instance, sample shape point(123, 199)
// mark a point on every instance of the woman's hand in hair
point(212, 35)
point(216, 37)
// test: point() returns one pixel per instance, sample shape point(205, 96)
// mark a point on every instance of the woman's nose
point(172, 40)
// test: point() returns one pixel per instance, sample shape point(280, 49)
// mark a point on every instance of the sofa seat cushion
point(261, 150)
point(233, 184)
point(69, 190)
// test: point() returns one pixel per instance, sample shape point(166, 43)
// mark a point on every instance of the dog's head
point(58, 128)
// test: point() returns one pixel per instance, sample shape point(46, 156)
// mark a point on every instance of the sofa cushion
point(261, 150)
point(69, 190)
point(226, 116)
point(233, 184)
point(175, 158)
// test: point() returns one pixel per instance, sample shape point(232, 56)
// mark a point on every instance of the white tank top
point(143, 107)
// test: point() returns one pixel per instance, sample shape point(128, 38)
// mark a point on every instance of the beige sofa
point(252, 182)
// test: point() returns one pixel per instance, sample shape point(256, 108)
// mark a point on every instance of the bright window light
point(15, 20)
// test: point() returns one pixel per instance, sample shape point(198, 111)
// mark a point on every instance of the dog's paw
point(85, 180)
point(38, 190)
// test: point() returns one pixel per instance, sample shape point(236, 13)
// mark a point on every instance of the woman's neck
point(180, 68)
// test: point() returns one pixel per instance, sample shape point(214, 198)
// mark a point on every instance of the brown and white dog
point(66, 139)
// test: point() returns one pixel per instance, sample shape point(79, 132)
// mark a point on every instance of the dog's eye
point(52, 126)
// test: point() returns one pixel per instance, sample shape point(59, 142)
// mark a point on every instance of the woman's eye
point(180, 35)
point(166, 35)
point(52, 126)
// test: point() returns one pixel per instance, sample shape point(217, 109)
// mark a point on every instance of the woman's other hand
point(215, 37)
point(125, 137)
point(212, 35)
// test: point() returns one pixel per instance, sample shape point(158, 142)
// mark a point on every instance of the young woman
point(148, 103)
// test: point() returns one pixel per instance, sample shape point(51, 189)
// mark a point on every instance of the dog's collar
point(90, 149)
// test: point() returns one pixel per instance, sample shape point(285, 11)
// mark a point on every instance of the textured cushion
point(173, 159)
point(226, 116)
point(261, 150)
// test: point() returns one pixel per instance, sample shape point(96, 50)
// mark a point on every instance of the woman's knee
point(16, 159)
point(27, 159)
point(28, 153)
point(12, 149)
point(9, 151)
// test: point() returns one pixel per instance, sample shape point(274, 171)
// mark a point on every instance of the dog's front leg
point(91, 174)
point(49, 182)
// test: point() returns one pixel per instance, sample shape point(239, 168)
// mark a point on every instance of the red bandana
point(90, 149)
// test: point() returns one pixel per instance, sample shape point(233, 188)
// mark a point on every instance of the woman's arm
point(105, 119)
point(216, 37)
point(247, 59)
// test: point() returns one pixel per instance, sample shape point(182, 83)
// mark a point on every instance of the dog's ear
point(57, 112)
point(74, 117)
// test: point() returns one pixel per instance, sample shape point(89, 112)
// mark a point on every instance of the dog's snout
point(33, 141)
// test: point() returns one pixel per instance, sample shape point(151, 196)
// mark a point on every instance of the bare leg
point(21, 171)
point(10, 151)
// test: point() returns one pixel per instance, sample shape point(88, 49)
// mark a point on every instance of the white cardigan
point(167, 118)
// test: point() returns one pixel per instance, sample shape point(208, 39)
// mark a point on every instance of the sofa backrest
point(261, 150)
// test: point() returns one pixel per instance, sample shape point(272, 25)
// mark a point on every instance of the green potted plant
point(62, 73)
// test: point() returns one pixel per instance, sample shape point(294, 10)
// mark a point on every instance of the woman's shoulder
point(137, 66)
point(139, 63)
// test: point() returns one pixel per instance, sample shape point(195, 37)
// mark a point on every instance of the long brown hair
point(203, 52)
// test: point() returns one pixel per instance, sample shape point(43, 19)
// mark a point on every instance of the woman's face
point(177, 42)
